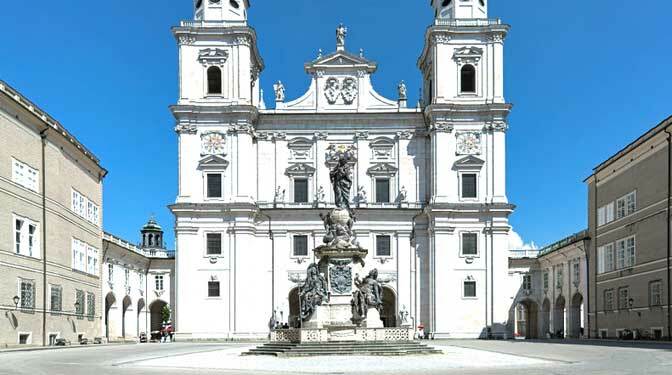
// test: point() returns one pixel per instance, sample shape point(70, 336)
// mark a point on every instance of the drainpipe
point(594, 246)
point(669, 201)
point(43, 136)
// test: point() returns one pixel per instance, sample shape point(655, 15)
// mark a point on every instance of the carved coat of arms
point(332, 90)
point(340, 277)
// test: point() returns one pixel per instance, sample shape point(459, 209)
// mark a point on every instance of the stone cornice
point(234, 115)
point(494, 32)
point(447, 115)
point(190, 32)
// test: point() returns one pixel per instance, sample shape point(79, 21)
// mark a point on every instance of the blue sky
point(586, 78)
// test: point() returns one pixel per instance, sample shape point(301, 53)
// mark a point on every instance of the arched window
point(468, 79)
point(214, 80)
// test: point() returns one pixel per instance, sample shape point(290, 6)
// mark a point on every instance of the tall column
point(444, 178)
point(499, 163)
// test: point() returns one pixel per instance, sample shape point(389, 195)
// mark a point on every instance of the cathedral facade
point(428, 183)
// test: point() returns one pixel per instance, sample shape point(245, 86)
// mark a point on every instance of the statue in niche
point(403, 194)
point(279, 194)
point(279, 91)
point(403, 315)
point(320, 195)
point(369, 294)
point(403, 95)
point(313, 292)
point(361, 195)
point(341, 180)
point(341, 33)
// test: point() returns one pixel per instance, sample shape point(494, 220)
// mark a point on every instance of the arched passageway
point(156, 315)
point(576, 323)
point(559, 316)
point(527, 317)
point(389, 313)
point(110, 302)
point(545, 318)
point(125, 306)
point(294, 308)
point(141, 316)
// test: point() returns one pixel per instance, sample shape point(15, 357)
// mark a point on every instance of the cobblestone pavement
point(460, 357)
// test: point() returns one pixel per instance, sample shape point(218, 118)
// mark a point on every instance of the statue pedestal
point(372, 319)
point(319, 319)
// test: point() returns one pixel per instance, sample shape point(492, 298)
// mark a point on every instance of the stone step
point(343, 349)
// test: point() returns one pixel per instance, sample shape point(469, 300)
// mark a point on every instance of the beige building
point(50, 237)
point(550, 300)
point(629, 219)
point(138, 283)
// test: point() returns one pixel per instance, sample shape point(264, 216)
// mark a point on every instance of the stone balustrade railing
point(468, 22)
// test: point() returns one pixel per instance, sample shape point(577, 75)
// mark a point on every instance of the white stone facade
point(429, 184)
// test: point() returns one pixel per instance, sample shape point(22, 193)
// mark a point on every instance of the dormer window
point(468, 79)
point(214, 80)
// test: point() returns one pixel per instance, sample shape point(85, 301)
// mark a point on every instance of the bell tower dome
point(460, 9)
point(227, 11)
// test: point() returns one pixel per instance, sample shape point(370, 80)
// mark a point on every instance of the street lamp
point(16, 300)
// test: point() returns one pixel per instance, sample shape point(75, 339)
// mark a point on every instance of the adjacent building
point(138, 284)
point(551, 287)
point(51, 195)
point(429, 182)
point(629, 221)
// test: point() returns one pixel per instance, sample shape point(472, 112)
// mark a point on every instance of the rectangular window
point(158, 282)
point(300, 246)
point(127, 277)
point(75, 200)
point(609, 300)
point(601, 216)
point(623, 298)
point(527, 282)
point(576, 271)
point(141, 282)
point(26, 237)
point(18, 229)
point(559, 277)
point(631, 203)
point(469, 244)
point(214, 185)
point(610, 212)
point(469, 186)
point(27, 288)
point(110, 273)
point(79, 302)
point(90, 305)
point(656, 293)
point(89, 211)
point(621, 211)
point(56, 298)
point(383, 246)
point(600, 259)
point(470, 289)
point(24, 175)
point(92, 260)
point(214, 243)
point(213, 288)
point(84, 257)
point(620, 254)
point(382, 190)
point(301, 190)
point(546, 282)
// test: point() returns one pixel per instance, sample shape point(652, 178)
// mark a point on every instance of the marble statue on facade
point(279, 195)
point(403, 195)
point(279, 91)
point(320, 196)
point(403, 94)
point(361, 195)
point(341, 33)
point(313, 292)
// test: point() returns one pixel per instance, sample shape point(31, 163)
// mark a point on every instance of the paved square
point(460, 357)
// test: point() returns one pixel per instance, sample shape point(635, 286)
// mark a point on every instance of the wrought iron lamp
point(16, 300)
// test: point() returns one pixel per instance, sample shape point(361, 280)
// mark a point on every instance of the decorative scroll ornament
point(468, 144)
point(213, 144)
point(349, 90)
point(332, 90)
point(213, 56)
point(346, 89)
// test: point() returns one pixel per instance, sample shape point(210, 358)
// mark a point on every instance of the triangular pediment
point(382, 169)
point(213, 162)
point(300, 169)
point(341, 60)
point(470, 161)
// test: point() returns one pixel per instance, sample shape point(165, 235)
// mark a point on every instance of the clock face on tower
point(212, 144)
point(468, 144)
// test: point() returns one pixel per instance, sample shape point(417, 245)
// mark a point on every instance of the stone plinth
point(343, 333)
point(372, 319)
